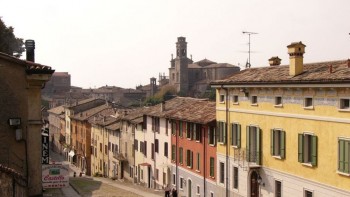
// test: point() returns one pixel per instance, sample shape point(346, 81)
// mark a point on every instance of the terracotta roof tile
point(57, 110)
point(312, 73)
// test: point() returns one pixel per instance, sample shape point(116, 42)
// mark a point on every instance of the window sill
point(222, 102)
point(277, 157)
point(233, 146)
point(197, 141)
point(344, 110)
point(278, 106)
point(221, 143)
point(309, 108)
point(189, 167)
point(236, 103)
point(343, 173)
point(254, 104)
point(213, 145)
point(307, 164)
point(198, 171)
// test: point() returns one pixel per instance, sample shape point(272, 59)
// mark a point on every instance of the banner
point(55, 176)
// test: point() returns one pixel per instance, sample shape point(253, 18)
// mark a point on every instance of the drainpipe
point(204, 159)
point(177, 167)
point(227, 142)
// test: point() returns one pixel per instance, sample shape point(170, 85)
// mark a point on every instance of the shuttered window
point(173, 152)
point(344, 156)
point(253, 144)
point(221, 129)
point(236, 135)
point(307, 148)
point(211, 173)
point(180, 155)
point(278, 142)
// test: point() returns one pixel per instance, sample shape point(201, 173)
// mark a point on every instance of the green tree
point(9, 43)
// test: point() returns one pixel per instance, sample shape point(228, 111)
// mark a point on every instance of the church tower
point(181, 66)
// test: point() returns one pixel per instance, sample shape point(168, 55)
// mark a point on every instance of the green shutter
point(300, 148)
point(214, 136)
point(314, 150)
point(231, 135)
point(238, 136)
point(180, 128)
point(247, 144)
point(191, 158)
point(258, 144)
point(341, 152)
point(283, 145)
point(198, 159)
point(346, 157)
point(194, 131)
point(209, 136)
point(224, 132)
point(272, 143)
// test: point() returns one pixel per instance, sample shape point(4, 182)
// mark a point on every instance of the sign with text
point(55, 176)
point(45, 146)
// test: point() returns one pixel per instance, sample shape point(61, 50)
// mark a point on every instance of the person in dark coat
point(174, 193)
point(167, 191)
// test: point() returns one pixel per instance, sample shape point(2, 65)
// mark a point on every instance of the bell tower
point(181, 66)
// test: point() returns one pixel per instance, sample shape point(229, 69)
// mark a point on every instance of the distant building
point(193, 78)
point(60, 83)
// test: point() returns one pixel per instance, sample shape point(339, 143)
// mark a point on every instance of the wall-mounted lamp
point(14, 121)
point(260, 181)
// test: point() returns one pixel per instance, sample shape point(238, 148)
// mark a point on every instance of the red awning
point(145, 164)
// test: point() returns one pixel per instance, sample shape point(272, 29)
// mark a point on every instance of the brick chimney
point(275, 61)
point(296, 51)
point(30, 47)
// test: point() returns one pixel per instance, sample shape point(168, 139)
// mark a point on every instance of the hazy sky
point(124, 43)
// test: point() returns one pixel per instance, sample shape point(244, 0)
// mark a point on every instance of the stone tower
point(181, 66)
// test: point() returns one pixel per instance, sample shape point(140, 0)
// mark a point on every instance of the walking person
point(167, 191)
point(174, 193)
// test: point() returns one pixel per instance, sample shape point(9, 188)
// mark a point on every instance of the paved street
point(97, 186)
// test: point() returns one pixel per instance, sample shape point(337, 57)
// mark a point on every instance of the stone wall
point(12, 183)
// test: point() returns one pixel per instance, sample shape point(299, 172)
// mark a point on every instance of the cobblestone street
point(96, 186)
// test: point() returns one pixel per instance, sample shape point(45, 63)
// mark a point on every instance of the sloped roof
point(201, 111)
point(114, 126)
point(57, 110)
point(312, 73)
point(84, 115)
point(31, 67)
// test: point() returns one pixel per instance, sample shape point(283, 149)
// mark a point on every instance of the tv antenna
point(249, 33)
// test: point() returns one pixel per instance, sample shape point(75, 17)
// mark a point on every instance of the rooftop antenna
point(249, 33)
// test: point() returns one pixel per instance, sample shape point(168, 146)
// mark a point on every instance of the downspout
point(227, 142)
point(154, 155)
point(177, 167)
point(205, 143)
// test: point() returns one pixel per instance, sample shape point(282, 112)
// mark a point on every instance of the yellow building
point(284, 130)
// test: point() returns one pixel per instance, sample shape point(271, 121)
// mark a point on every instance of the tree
point(9, 43)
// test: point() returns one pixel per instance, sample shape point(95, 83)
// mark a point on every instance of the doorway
point(254, 185)
point(189, 188)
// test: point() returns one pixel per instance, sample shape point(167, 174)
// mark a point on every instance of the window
point(308, 193)
point(173, 128)
point(106, 149)
point(180, 155)
point(145, 149)
point(181, 183)
point(222, 172)
point(136, 145)
point(189, 130)
point(278, 188)
point(222, 98)
point(307, 148)
point(344, 104)
point(278, 100)
point(211, 135)
point(166, 149)
point(173, 149)
point(180, 129)
point(308, 102)
point(198, 162)
point(164, 178)
point(197, 132)
point(235, 177)
point(235, 99)
point(144, 123)
point(141, 147)
point(253, 145)
point(174, 179)
point(141, 172)
point(344, 156)
point(254, 100)
point(109, 146)
point(189, 156)
point(157, 146)
point(152, 151)
point(211, 194)
point(100, 147)
point(236, 135)
point(221, 128)
point(155, 124)
point(198, 190)
point(278, 143)
point(212, 170)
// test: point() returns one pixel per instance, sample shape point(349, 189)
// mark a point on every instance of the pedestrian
point(174, 193)
point(167, 191)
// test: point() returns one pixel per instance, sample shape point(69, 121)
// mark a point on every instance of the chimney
point(30, 46)
point(275, 61)
point(162, 106)
point(296, 51)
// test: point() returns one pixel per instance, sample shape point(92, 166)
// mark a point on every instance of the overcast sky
point(124, 43)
